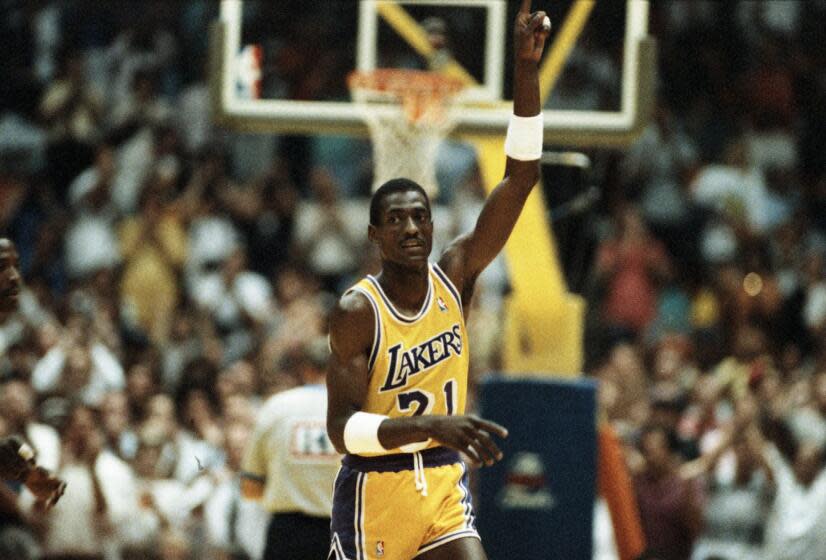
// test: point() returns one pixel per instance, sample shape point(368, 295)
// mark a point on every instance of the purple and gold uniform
point(417, 365)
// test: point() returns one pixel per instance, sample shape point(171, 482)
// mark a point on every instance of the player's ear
point(371, 233)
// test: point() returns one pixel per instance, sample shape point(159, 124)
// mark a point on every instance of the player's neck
point(406, 287)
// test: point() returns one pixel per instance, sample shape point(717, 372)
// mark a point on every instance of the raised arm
point(466, 257)
point(351, 338)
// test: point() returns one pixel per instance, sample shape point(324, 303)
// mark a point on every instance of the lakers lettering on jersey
point(418, 364)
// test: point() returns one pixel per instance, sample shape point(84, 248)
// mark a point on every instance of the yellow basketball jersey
point(418, 365)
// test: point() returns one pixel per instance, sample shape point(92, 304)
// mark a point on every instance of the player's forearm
point(526, 88)
point(396, 432)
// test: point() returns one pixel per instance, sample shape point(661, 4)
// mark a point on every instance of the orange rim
point(423, 95)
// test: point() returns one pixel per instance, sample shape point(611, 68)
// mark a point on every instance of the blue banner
point(538, 502)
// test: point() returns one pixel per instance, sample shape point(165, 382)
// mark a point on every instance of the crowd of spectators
point(708, 315)
point(175, 272)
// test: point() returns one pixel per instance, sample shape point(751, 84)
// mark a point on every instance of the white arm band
point(361, 433)
point(524, 139)
point(26, 452)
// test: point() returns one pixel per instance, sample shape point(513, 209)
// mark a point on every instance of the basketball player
point(17, 464)
point(398, 373)
point(9, 278)
point(17, 460)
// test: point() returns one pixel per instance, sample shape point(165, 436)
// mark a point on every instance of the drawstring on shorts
point(419, 473)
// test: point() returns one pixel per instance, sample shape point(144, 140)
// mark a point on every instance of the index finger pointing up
point(526, 7)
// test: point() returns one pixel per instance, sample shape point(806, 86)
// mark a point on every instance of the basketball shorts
point(396, 507)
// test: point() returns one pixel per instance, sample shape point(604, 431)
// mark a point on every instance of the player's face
point(404, 233)
point(9, 277)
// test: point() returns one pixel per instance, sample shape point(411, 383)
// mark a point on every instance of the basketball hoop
point(408, 113)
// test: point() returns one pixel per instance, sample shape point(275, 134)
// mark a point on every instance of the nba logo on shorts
point(379, 548)
point(442, 304)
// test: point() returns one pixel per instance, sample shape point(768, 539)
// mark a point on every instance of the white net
point(415, 119)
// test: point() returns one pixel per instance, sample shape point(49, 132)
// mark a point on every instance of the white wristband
point(361, 433)
point(524, 139)
point(26, 452)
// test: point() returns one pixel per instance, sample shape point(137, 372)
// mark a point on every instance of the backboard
point(282, 66)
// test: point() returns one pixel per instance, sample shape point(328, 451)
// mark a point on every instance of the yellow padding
point(543, 324)
point(416, 37)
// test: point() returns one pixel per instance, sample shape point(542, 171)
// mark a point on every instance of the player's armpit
point(452, 263)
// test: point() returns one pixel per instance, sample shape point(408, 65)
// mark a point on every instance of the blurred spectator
point(271, 236)
point(302, 317)
point(670, 507)
point(736, 189)
point(799, 507)
point(630, 266)
point(153, 245)
point(141, 105)
point(748, 364)
point(165, 504)
point(332, 252)
point(738, 489)
point(91, 243)
point(73, 112)
point(116, 423)
point(808, 423)
point(234, 295)
point(290, 463)
point(10, 279)
point(184, 452)
point(236, 528)
point(100, 494)
point(79, 367)
point(17, 408)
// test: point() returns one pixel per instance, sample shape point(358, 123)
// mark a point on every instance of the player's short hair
point(391, 187)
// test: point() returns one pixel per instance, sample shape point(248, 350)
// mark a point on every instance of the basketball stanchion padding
point(538, 502)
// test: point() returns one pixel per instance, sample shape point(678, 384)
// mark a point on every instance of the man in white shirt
point(234, 527)
point(290, 464)
point(794, 530)
point(795, 527)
